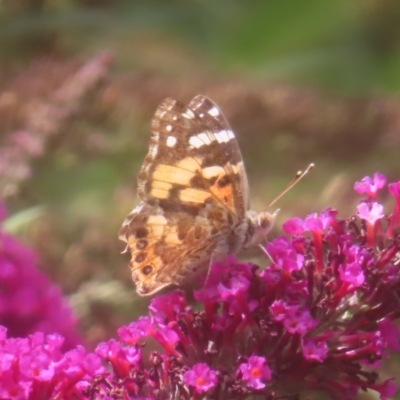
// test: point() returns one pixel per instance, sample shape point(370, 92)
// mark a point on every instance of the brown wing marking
point(215, 120)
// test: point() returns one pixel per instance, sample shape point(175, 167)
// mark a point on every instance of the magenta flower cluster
point(35, 368)
point(29, 301)
point(320, 318)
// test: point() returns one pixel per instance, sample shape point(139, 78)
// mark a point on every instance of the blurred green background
point(300, 81)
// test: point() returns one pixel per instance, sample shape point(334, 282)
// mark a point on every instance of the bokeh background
point(300, 81)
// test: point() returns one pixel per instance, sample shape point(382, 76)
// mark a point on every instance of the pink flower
point(235, 287)
point(280, 310)
point(29, 301)
point(201, 377)
point(314, 350)
point(299, 321)
point(255, 372)
point(284, 255)
point(315, 222)
point(352, 271)
point(391, 333)
point(387, 390)
point(371, 185)
point(370, 213)
point(136, 330)
point(293, 226)
point(394, 226)
point(167, 305)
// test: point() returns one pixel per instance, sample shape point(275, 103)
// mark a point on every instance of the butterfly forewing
point(225, 145)
point(193, 159)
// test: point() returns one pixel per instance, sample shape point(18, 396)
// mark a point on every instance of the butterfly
point(195, 198)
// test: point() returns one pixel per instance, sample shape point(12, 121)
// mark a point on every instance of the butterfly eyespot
point(142, 244)
point(147, 270)
point(141, 232)
point(141, 257)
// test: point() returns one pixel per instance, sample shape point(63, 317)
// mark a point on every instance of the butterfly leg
point(216, 257)
point(264, 250)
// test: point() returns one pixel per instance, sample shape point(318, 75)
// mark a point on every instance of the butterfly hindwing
point(166, 246)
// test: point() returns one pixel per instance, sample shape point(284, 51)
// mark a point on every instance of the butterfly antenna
point(300, 175)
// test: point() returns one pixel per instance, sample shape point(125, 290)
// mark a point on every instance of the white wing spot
point(146, 168)
point(153, 150)
point(211, 172)
point(171, 141)
point(204, 137)
point(195, 141)
point(214, 111)
point(223, 136)
point(137, 209)
point(168, 128)
point(189, 114)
